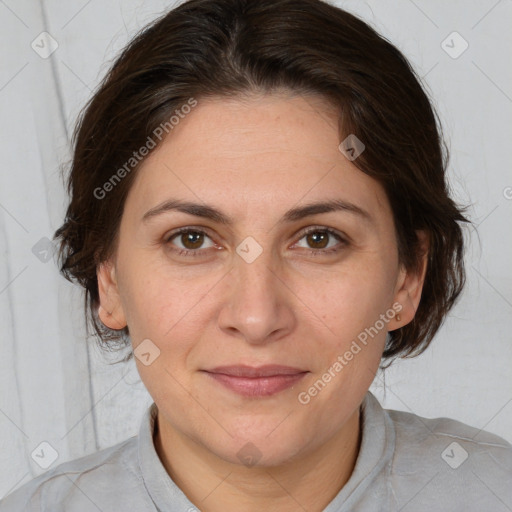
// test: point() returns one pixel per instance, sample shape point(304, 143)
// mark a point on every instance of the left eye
point(318, 237)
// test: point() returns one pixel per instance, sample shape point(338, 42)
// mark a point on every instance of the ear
point(110, 311)
point(410, 285)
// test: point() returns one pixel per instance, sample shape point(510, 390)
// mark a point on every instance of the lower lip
point(257, 386)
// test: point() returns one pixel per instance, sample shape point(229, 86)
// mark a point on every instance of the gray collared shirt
point(406, 463)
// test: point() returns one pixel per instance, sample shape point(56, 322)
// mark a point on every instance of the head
point(248, 191)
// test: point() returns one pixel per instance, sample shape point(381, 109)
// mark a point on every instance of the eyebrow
point(292, 215)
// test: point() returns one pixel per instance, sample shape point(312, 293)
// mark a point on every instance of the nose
point(258, 305)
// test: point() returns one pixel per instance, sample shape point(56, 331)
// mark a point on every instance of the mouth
point(260, 381)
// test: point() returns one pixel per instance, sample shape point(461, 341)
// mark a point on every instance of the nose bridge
point(256, 306)
point(254, 278)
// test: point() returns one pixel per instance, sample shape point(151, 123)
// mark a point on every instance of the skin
point(254, 159)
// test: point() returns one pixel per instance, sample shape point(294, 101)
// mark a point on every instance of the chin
point(254, 448)
point(259, 453)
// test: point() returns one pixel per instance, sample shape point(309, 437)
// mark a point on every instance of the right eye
point(191, 240)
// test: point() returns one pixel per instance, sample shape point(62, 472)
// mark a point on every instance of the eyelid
point(185, 229)
point(302, 232)
point(328, 229)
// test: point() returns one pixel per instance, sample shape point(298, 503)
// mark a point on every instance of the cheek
point(350, 300)
point(165, 304)
point(147, 297)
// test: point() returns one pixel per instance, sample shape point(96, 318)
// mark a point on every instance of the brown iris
point(315, 236)
point(194, 238)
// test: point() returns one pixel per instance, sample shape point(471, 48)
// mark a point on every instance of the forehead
point(267, 152)
point(231, 128)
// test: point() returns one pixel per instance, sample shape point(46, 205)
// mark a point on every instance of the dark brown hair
point(229, 48)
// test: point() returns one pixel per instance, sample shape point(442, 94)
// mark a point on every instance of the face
point(255, 285)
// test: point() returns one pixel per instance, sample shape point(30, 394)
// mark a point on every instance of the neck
point(310, 481)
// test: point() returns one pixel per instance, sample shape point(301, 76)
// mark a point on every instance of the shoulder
point(450, 461)
point(78, 483)
point(427, 436)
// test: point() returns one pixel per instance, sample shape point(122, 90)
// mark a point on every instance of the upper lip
point(259, 371)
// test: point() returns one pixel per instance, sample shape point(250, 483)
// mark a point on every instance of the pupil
point(318, 234)
point(188, 238)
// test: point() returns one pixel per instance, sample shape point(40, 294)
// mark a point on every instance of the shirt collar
point(166, 495)
point(373, 461)
point(375, 455)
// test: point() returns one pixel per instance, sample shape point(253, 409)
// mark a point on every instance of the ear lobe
point(411, 282)
point(110, 311)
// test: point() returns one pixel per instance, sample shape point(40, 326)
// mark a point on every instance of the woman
point(259, 207)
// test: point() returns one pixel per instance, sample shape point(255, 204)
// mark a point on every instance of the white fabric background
point(55, 387)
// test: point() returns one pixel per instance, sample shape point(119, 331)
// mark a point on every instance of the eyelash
point(313, 252)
